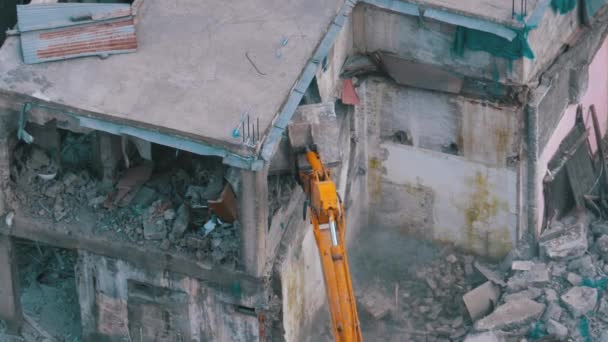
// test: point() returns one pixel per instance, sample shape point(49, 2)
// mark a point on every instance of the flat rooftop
point(200, 65)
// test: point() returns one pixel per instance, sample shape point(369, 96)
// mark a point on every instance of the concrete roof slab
point(190, 74)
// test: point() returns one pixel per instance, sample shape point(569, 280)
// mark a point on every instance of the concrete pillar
point(253, 213)
point(10, 304)
point(108, 156)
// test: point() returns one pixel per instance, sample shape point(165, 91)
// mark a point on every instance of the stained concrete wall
point(430, 41)
point(595, 93)
point(118, 299)
point(469, 199)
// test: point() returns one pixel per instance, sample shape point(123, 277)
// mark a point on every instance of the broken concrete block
point(481, 300)
point(490, 274)
point(512, 314)
point(376, 303)
point(580, 300)
point(572, 243)
point(537, 275)
point(601, 246)
point(521, 265)
point(557, 329)
point(488, 336)
point(574, 279)
point(451, 258)
point(182, 219)
point(531, 293)
point(154, 228)
point(554, 311)
point(144, 197)
point(583, 266)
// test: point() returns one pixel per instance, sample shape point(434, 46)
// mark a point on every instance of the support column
point(10, 304)
point(108, 156)
point(253, 207)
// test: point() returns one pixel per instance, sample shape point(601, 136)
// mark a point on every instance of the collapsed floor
point(162, 203)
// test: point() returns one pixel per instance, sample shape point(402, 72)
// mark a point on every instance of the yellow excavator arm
point(326, 213)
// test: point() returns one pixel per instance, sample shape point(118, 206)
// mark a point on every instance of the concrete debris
point(491, 275)
point(583, 266)
point(574, 279)
point(377, 303)
point(531, 293)
point(557, 329)
point(537, 275)
point(571, 244)
point(481, 300)
point(146, 206)
point(451, 258)
point(580, 300)
point(489, 336)
point(522, 265)
point(601, 246)
point(154, 224)
point(181, 222)
point(554, 311)
point(512, 314)
point(551, 295)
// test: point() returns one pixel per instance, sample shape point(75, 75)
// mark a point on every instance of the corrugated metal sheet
point(47, 16)
point(49, 33)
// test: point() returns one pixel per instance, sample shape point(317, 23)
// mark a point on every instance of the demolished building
point(164, 174)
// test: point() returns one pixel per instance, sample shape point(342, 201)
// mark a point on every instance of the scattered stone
point(53, 190)
point(431, 283)
point(520, 265)
point(583, 266)
point(144, 198)
point(376, 303)
point(199, 255)
point(512, 314)
point(572, 243)
point(558, 268)
point(165, 245)
point(96, 202)
point(489, 336)
point(602, 311)
point(604, 336)
point(551, 295)
point(481, 300)
point(574, 279)
point(451, 258)
point(182, 219)
point(580, 300)
point(601, 246)
point(491, 275)
point(154, 225)
point(599, 227)
point(169, 214)
point(554, 311)
point(557, 329)
point(457, 322)
point(531, 293)
point(537, 275)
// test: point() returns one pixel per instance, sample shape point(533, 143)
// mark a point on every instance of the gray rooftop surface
point(190, 74)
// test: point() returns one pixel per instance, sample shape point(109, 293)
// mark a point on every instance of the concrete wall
point(468, 198)
point(118, 299)
point(595, 94)
point(429, 42)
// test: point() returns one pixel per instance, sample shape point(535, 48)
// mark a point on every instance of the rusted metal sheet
point(49, 34)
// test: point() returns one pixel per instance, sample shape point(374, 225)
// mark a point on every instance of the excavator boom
point(326, 213)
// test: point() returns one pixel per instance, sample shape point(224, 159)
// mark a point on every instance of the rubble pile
point(168, 209)
point(557, 294)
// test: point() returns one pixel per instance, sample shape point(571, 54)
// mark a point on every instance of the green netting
point(497, 46)
point(563, 6)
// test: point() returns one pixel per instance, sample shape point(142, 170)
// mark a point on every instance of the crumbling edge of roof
point(281, 121)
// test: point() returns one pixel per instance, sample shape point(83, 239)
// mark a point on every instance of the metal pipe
point(333, 232)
